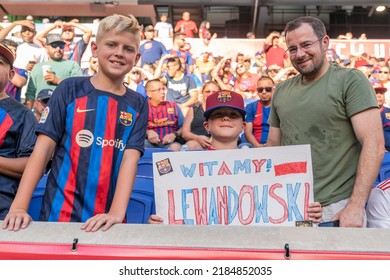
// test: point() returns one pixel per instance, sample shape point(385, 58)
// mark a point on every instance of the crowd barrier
point(66, 241)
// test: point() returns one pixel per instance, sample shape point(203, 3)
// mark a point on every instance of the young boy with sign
point(95, 127)
point(225, 120)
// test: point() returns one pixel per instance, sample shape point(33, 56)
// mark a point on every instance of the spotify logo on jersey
point(84, 138)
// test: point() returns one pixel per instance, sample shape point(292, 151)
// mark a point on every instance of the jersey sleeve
point(137, 137)
point(26, 137)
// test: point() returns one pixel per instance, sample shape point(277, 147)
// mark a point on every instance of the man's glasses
point(56, 45)
point(267, 89)
point(383, 72)
point(136, 73)
point(304, 47)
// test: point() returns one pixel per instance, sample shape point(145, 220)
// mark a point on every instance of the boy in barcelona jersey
point(95, 127)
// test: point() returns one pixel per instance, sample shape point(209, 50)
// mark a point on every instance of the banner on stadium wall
point(261, 186)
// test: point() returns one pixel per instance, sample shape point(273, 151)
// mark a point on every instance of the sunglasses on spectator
point(383, 72)
point(267, 89)
point(56, 45)
point(136, 73)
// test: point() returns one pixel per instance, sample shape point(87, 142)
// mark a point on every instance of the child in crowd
point(95, 127)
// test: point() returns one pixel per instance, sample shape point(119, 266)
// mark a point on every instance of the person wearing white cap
point(17, 136)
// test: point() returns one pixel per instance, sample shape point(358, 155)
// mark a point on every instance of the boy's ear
point(94, 49)
point(137, 57)
point(206, 125)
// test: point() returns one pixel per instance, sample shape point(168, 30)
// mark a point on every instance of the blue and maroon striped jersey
point(165, 118)
point(92, 129)
point(17, 139)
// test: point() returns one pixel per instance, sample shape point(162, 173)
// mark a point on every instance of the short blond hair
point(119, 23)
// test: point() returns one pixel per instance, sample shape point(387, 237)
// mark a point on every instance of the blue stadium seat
point(36, 201)
point(384, 172)
point(141, 204)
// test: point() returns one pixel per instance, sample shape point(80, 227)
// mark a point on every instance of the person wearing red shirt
point(186, 26)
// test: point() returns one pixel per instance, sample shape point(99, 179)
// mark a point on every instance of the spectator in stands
point(347, 144)
point(151, 50)
point(246, 83)
point(346, 36)
point(181, 88)
point(223, 74)
point(205, 65)
point(194, 132)
point(204, 31)
point(273, 52)
point(186, 26)
point(93, 66)
point(19, 80)
point(384, 78)
point(257, 113)
point(225, 120)
point(385, 113)
point(41, 102)
point(27, 54)
point(98, 190)
point(250, 35)
point(165, 119)
point(378, 206)
point(380, 95)
point(163, 29)
point(133, 78)
point(17, 135)
point(178, 49)
point(74, 49)
point(6, 19)
point(49, 74)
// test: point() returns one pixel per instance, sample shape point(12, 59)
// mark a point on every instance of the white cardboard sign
point(262, 186)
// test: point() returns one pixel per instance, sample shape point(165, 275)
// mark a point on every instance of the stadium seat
point(384, 173)
point(34, 209)
point(141, 204)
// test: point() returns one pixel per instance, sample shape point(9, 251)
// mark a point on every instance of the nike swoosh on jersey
point(83, 110)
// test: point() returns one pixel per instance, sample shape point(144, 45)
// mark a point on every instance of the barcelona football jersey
point(92, 129)
point(17, 139)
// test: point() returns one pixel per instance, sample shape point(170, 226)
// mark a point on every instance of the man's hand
point(51, 78)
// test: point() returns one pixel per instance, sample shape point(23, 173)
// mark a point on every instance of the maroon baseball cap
point(379, 87)
point(7, 53)
point(224, 98)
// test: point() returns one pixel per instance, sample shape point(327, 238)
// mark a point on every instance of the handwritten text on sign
point(265, 186)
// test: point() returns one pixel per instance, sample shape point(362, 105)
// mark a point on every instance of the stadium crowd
point(174, 84)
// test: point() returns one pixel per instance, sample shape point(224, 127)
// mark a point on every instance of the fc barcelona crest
point(126, 118)
point(224, 96)
point(164, 166)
